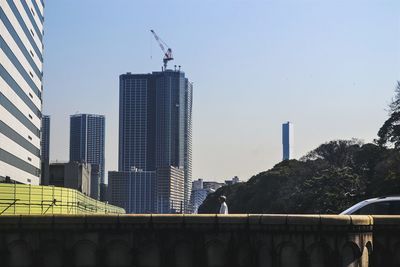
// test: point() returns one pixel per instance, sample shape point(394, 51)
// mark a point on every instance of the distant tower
point(287, 140)
point(45, 148)
point(45, 138)
point(87, 137)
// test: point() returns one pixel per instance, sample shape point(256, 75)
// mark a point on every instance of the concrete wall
point(185, 241)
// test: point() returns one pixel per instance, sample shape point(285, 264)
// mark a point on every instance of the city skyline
point(250, 79)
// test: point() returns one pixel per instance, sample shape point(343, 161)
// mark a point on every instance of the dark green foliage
point(389, 133)
point(329, 179)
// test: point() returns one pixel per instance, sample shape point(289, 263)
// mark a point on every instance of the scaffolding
point(20, 199)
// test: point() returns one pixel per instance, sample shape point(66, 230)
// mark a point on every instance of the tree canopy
point(389, 133)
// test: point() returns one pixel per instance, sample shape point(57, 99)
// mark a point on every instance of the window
point(378, 208)
point(394, 207)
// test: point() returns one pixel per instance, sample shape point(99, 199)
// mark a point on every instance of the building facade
point(45, 148)
point(155, 131)
point(74, 175)
point(134, 191)
point(45, 139)
point(287, 140)
point(170, 193)
point(21, 73)
point(199, 194)
point(87, 144)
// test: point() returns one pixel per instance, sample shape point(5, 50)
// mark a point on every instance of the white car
point(376, 206)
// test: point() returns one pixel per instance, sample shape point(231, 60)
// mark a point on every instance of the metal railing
point(30, 199)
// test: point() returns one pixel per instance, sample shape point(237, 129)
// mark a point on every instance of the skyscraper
point(187, 165)
point(287, 140)
point(87, 133)
point(135, 190)
point(21, 61)
point(45, 148)
point(45, 138)
point(155, 130)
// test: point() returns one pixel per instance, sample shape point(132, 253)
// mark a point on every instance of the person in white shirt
point(224, 208)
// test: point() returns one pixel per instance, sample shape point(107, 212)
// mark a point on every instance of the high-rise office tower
point(155, 130)
point(45, 148)
point(87, 133)
point(21, 62)
point(287, 140)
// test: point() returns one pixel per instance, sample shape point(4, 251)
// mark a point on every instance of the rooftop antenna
point(167, 52)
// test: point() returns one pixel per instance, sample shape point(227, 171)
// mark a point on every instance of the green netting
point(29, 199)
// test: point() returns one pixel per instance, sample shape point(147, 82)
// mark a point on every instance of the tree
point(338, 153)
point(389, 133)
point(329, 179)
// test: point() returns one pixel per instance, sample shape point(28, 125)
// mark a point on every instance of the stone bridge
point(200, 241)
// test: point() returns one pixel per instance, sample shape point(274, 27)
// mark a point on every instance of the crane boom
point(167, 52)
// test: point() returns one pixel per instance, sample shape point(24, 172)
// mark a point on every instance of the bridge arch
point(265, 256)
point(51, 253)
point(350, 254)
point(148, 255)
point(117, 253)
point(183, 254)
point(216, 254)
point(20, 254)
point(289, 255)
point(84, 254)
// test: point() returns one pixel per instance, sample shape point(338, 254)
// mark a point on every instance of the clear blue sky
point(330, 67)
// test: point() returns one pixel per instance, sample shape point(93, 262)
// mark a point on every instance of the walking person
point(224, 208)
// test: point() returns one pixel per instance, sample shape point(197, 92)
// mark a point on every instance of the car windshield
point(354, 208)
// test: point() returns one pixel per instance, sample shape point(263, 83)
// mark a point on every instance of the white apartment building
point(21, 65)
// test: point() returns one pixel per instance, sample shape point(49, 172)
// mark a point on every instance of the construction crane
point(167, 53)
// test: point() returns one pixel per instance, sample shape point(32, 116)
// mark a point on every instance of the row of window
point(18, 90)
point(17, 138)
point(30, 12)
point(20, 44)
point(38, 10)
point(18, 163)
point(25, 29)
point(18, 115)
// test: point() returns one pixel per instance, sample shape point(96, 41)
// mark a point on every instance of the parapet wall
point(199, 240)
point(179, 240)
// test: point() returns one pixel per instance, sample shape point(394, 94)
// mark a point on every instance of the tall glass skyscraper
point(87, 141)
point(287, 140)
point(155, 130)
point(21, 65)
